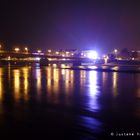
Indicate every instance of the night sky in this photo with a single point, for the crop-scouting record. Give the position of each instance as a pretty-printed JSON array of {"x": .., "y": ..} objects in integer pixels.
[{"x": 76, "y": 24}]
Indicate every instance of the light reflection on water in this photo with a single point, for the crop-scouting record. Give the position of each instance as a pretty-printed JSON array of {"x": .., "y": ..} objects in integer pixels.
[
  {"x": 25, "y": 71},
  {"x": 38, "y": 79},
  {"x": 91, "y": 125},
  {"x": 90, "y": 93},
  {"x": 115, "y": 82},
  {"x": 56, "y": 81},
  {"x": 110, "y": 81},
  {"x": 59, "y": 81},
  {"x": 17, "y": 84},
  {"x": 82, "y": 78},
  {"x": 93, "y": 91}
]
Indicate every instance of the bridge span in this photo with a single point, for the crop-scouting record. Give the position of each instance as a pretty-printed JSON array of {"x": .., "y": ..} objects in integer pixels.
[{"x": 43, "y": 59}]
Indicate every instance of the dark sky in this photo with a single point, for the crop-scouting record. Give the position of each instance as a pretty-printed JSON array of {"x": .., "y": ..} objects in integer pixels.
[{"x": 81, "y": 24}]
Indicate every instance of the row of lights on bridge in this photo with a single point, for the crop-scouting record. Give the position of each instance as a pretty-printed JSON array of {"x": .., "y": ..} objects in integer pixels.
[
  {"x": 63, "y": 54},
  {"x": 17, "y": 49}
]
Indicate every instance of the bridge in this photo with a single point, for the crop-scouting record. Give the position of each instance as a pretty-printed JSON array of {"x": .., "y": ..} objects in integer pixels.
[
  {"x": 22, "y": 57},
  {"x": 7, "y": 54}
]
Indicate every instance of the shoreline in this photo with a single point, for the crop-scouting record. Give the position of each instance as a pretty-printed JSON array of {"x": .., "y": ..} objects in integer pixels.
[
  {"x": 109, "y": 67},
  {"x": 105, "y": 70}
]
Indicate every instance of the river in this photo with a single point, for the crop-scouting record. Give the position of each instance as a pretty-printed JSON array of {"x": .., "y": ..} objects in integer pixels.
[{"x": 52, "y": 103}]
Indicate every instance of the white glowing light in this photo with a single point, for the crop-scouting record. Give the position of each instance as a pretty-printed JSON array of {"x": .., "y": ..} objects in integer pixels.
[
  {"x": 92, "y": 55},
  {"x": 37, "y": 58},
  {"x": 57, "y": 52},
  {"x": 26, "y": 49},
  {"x": 115, "y": 50},
  {"x": 39, "y": 51},
  {"x": 9, "y": 58},
  {"x": 17, "y": 49},
  {"x": 49, "y": 51}
]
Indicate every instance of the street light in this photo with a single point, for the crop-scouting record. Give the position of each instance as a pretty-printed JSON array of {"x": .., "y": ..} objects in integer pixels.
[
  {"x": 115, "y": 52},
  {"x": 105, "y": 59},
  {"x": 26, "y": 49},
  {"x": 57, "y": 53},
  {"x": 17, "y": 50},
  {"x": 39, "y": 51},
  {"x": 49, "y": 51}
]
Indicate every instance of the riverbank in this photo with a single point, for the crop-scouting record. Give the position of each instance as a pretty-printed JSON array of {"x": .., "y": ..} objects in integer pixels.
[
  {"x": 115, "y": 66},
  {"x": 107, "y": 68}
]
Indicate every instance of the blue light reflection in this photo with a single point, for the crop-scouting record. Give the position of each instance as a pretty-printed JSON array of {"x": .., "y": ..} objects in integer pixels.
[{"x": 90, "y": 123}]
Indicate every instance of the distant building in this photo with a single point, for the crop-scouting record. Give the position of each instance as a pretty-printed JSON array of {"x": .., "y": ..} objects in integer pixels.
[
  {"x": 134, "y": 55},
  {"x": 125, "y": 54}
]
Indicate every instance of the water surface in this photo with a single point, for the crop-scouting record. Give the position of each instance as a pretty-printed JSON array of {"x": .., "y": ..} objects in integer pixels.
[{"x": 67, "y": 104}]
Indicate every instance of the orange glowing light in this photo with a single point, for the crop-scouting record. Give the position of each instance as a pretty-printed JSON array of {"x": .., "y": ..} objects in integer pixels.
[{"x": 17, "y": 49}]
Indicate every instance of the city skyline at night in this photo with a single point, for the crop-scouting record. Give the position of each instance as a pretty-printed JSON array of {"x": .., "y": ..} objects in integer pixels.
[
  {"x": 69, "y": 69},
  {"x": 85, "y": 24}
]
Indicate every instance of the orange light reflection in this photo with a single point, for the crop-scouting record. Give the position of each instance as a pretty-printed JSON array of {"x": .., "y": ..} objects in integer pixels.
[
  {"x": 115, "y": 80},
  {"x": 26, "y": 82},
  {"x": 16, "y": 75}
]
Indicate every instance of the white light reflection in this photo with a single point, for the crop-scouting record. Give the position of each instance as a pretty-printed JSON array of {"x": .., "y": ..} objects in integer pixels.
[
  {"x": 63, "y": 71},
  {"x": 93, "y": 91},
  {"x": 38, "y": 77}
]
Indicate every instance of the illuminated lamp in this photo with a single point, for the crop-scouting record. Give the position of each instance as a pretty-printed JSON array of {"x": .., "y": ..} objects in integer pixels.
[{"x": 92, "y": 55}]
